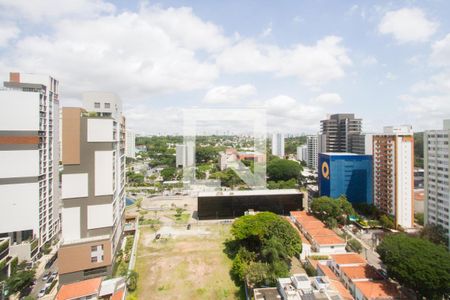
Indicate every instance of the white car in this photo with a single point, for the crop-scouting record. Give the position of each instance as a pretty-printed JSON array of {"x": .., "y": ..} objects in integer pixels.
[{"x": 41, "y": 293}]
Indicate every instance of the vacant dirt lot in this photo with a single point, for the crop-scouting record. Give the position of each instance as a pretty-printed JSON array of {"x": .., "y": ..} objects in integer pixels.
[{"x": 191, "y": 266}]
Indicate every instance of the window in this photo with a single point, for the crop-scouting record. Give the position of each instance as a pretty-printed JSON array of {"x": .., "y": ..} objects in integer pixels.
[
  {"x": 107, "y": 105},
  {"x": 97, "y": 253},
  {"x": 97, "y": 104}
]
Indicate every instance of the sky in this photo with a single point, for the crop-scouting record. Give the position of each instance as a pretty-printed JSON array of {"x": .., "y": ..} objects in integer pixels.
[{"x": 386, "y": 61}]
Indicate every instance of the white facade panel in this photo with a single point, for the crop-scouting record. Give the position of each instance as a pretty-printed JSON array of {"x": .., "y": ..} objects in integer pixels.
[
  {"x": 71, "y": 223},
  {"x": 100, "y": 216},
  {"x": 74, "y": 185},
  {"x": 100, "y": 130},
  {"x": 20, "y": 111},
  {"x": 103, "y": 173},
  {"x": 405, "y": 183},
  {"x": 19, "y": 207},
  {"x": 19, "y": 163}
]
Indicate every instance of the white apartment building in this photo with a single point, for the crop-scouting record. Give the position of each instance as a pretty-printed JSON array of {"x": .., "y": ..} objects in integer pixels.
[
  {"x": 29, "y": 159},
  {"x": 393, "y": 166},
  {"x": 437, "y": 173},
  {"x": 302, "y": 153},
  {"x": 185, "y": 156},
  {"x": 93, "y": 187},
  {"x": 312, "y": 142},
  {"x": 130, "y": 144},
  {"x": 278, "y": 144}
]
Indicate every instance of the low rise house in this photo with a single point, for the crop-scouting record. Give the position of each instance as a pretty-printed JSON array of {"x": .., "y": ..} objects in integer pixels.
[
  {"x": 95, "y": 288},
  {"x": 322, "y": 239}
]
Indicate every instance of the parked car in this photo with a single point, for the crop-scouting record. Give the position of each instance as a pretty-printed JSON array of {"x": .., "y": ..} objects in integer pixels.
[
  {"x": 55, "y": 273},
  {"x": 157, "y": 236},
  {"x": 41, "y": 293},
  {"x": 46, "y": 276},
  {"x": 188, "y": 227}
]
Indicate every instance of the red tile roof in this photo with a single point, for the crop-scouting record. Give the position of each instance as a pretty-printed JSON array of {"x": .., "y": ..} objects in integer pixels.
[
  {"x": 378, "y": 290},
  {"x": 317, "y": 231},
  {"x": 79, "y": 289},
  {"x": 361, "y": 272},
  {"x": 348, "y": 259}
]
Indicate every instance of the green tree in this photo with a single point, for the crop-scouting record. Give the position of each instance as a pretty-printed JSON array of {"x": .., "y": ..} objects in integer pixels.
[
  {"x": 168, "y": 173},
  {"x": 283, "y": 169},
  {"x": 265, "y": 239},
  {"x": 417, "y": 264},
  {"x": 325, "y": 208},
  {"x": 132, "y": 278},
  {"x": 355, "y": 245},
  {"x": 19, "y": 280},
  {"x": 435, "y": 234},
  {"x": 419, "y": 217},
  {"x": 387, "y": 222}
]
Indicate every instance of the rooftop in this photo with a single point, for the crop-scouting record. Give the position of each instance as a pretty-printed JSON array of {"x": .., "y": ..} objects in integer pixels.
[
  {"x": 316, "y": 230},
  {"x": 249, "y": 193},
  {"x": 361, "y": 272},
  {"x": 266, "y": 294},
  {"x": 79, "y": 289},
  {"x": 348, "y": 259},
  {"x": 378, "y": 290}
]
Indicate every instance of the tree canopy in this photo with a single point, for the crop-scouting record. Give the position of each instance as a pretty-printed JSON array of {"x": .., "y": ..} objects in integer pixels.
[
  {"x": 330, "y": 210},
  {"x": 417, "y": 264},
  {"x": 262, "y": 247},
  {"x": 283, "y": 169}
]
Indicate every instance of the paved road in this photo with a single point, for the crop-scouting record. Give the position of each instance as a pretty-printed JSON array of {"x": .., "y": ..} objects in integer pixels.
[
  {"x": 40, "y": 283},
  {"x": 371, "y": 256}
]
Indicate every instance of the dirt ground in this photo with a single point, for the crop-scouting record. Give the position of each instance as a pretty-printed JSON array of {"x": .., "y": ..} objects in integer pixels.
[{"x": 185, "y": 266}]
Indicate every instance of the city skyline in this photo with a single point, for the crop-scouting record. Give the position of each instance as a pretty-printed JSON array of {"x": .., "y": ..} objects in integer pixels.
[{"x": 385, "y": 62}]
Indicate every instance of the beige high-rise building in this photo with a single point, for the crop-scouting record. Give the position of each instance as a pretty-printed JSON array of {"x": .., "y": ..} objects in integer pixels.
[
  {"x": 93, "y": 181},
  {"x": 393, "y": 167}
]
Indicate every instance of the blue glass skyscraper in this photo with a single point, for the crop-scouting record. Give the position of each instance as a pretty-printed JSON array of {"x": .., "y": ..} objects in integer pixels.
[{"x": 346, "y": 174}]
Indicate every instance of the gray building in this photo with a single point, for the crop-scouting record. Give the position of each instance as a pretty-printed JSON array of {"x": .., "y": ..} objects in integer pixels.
[
  {"x": 437, "y": 173},
  {"x": 361, "y": 143},
  {"x": 337, "y": 131},
  {"x": 312, "y": 144}
]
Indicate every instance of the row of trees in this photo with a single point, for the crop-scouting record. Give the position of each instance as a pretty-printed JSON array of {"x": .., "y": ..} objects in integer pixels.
[{"x": 261, "y": 248}]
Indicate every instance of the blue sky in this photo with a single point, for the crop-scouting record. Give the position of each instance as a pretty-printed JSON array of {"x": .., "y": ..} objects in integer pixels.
[{"x": 388, "y": 62}]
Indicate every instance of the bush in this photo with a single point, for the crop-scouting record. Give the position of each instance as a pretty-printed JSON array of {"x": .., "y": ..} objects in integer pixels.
[
  {"x": 419, "y": 218},
  {"x": 355, "y": 245},
  {"x": 387, "y": 222},
  {"x": 310, "y": 270}
]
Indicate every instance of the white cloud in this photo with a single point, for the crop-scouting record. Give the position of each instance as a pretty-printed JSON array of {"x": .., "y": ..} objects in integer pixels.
[
  {"x": 44, "y": 10},
  {"x": 313, "y": 65},
  {"x": 407, "y": 25},
  {"x": 135, "y": 54},
  {"x": 369, "y": 61},
  {"x": 440, "y": 55},
  {"x": 284, "y": 114},
  {"x": 229, "y": 94},
  {"x": 8, "y": 32},
  {"x": 267, "y": 31},
  {"x": 390, "y": 76},
  {"x": 328, "y": 99}
]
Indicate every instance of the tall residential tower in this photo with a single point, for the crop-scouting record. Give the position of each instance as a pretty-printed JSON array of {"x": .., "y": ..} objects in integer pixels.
[
  {"x": 29, "y": 159},
  {"x": 278, "y": 144},
  {"x": 393, "y": 166},
  {"x": 437, "y": 177},
  {"x": 337, "y": 131},
  {"x": 93, "y": 181}
]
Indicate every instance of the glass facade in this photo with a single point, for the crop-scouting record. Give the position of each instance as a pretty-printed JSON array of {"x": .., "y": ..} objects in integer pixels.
[{"x": 346, "y": 174}]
